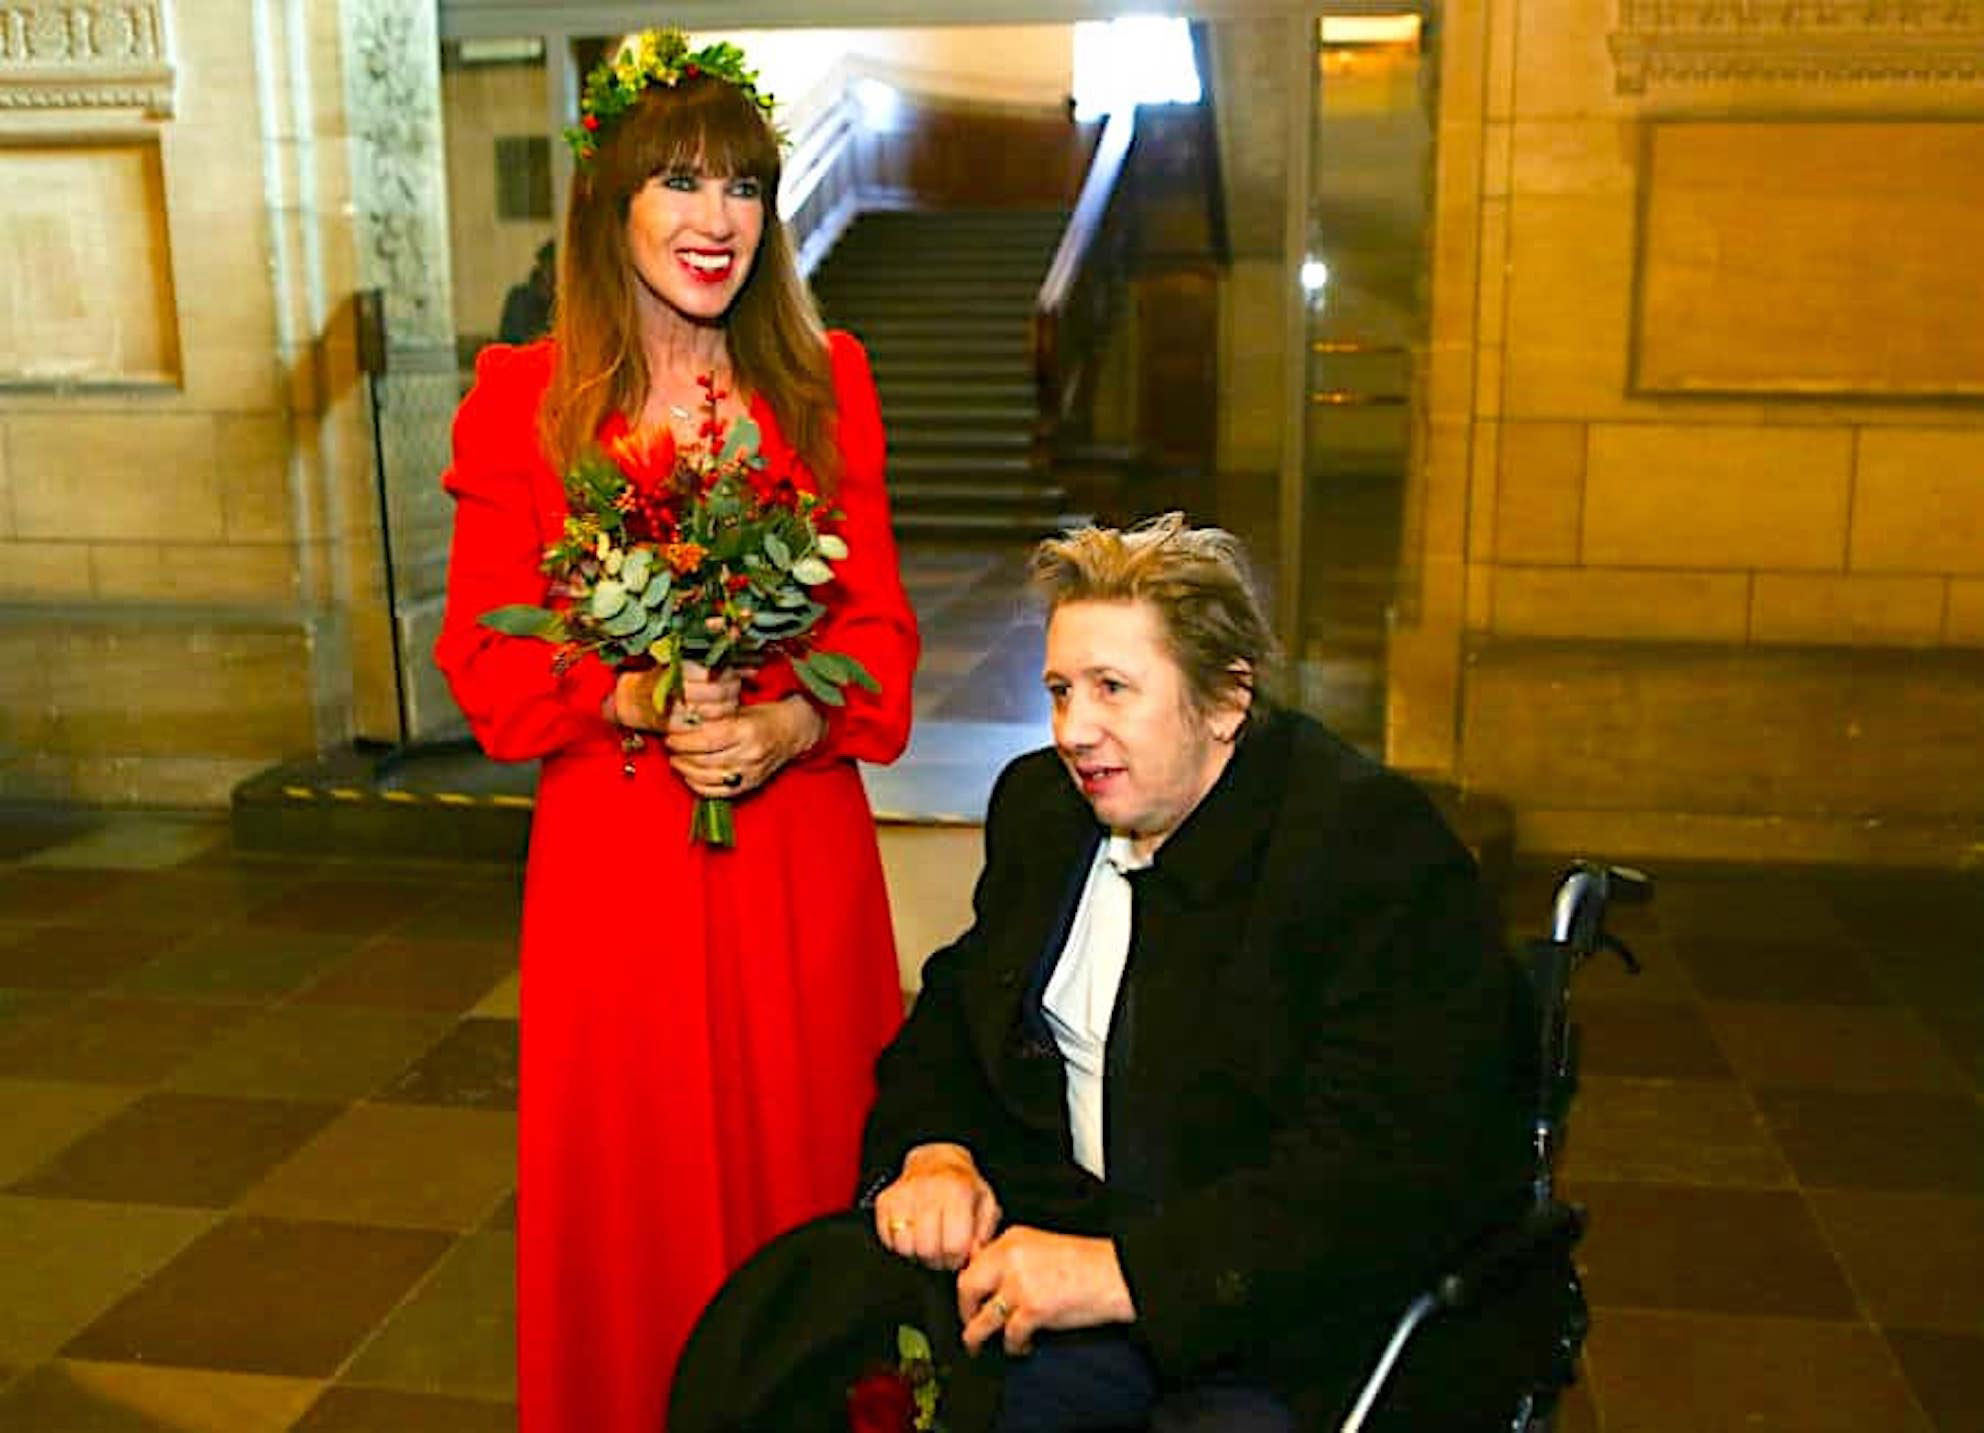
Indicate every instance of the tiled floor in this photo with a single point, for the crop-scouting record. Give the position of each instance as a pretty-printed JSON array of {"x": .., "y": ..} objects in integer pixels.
[{"x": 256, "y": 1122}]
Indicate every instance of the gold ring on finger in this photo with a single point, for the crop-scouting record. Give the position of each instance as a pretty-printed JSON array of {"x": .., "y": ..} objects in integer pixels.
[
  {"x": 896, "y": 1226},
  {"x": 1000, "y": 1308}
]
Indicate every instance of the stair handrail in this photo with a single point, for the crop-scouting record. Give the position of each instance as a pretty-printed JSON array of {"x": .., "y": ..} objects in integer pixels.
[{"x": 1069, "y": 311}]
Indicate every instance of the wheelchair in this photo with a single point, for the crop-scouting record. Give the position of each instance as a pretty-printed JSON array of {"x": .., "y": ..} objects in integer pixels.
[{"x": 1549, "y": 1229}]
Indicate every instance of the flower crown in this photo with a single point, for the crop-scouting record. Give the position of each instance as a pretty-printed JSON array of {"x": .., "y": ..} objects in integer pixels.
[{"x": 655, "y": 57}]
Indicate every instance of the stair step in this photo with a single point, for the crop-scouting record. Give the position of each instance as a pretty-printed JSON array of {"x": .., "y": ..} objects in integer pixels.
[
  {"x": 970, "y": 301},
  {"x": 923, "y": 493},
  {"x": 950, "y": 416},
  {"x": 888, "y": 348},
  {"x": 999, "y": 467},
  {"x": 982, "y": 290},
  {"x": 1024, "y": 527},
  {"x": 945, "y": 321},
  {"x": 954, "y": 374},
  {"x": 917, "y": 438},
  {"x": 914, "y": 391},
  {"x": 940, "y": 268}
]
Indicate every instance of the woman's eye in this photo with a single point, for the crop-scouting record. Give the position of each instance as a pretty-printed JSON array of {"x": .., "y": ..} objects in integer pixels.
[
  {"x": 1057, "y": 692},
  {"x": 681, "y": 182},
  {"x": 1111, "y": 687},
  {"x": 746, "y": 189}
]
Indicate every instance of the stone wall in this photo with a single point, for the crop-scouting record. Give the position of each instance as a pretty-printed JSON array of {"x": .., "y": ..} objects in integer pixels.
[
  {"x": 189, "y": 572},
  {"x": 1702, "y": 588}
]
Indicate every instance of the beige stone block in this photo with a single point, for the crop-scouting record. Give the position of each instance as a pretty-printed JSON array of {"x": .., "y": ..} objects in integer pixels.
[
  {"x": 1668, "y": 495},
  {"x": 1621, "y": 604},
  {"x": 1575, "y": 157},
  {"x": 253, "y": 454},
  {"x": 44, "y": 571},
  {"x": 1498, "y": 145},
  {"x": 1539, "y": 494},
  {"x": 1488, "y": 371},
  {"x": 134, "y": 475},
  {"x": 1963, "y": 623},
  {"x": 1480, "y": 597},
  {"x": 1835, "y": 610},
  {"x": 181, "y": 690},
  {"x": 1484, "y": 485},
  {"x": 151, "y": 572},
  {"x": 86, "y": 264},
  {"x": 1251, "y": 363},
  {"x": 1769, "y": 732},
  {"x": 1423, "y": 672},
  {"x": 1440, "y": 499},
  {"x": 1449, "y": 383},
  {"x": 27, "y": 724},
  {"x": 1918, "y": 501},
  {"x": 1494, "y": 272},
  {"x": 1563, "y": 66},
  {"x": 185, "y": 782},
  {"x": 1570, "y": 276},
  {"x": 1499, "y": 83},
  {"x": 1463, "y": 60}
]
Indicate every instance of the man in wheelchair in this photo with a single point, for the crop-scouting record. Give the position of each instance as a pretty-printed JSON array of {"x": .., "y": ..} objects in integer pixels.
[{"x": 1226, "y": 1069}]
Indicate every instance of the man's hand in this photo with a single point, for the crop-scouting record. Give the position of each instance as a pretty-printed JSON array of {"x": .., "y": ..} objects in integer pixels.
[
  {"x": 1028, "y": 1279},
  {"x": 940, "y": 1210}
]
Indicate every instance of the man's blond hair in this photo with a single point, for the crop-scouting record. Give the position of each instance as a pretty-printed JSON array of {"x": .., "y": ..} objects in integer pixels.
[{"x": 1194, "y": 578}]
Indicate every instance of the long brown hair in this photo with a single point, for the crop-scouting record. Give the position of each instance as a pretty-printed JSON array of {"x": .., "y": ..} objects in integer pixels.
[{"x": 776, "y": 343}]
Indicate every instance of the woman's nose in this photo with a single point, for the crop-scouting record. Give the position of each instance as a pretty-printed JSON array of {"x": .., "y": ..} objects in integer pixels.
[{"x": 713, "y": 208}]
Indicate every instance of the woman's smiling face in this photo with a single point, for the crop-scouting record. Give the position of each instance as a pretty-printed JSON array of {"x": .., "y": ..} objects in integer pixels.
[
  {"x": 692, "y": 238},
  {"x": 1124, "y": 722}
]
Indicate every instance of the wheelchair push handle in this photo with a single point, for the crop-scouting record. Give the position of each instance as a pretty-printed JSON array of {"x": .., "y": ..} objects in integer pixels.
[{"x": 1588, "y": 888}]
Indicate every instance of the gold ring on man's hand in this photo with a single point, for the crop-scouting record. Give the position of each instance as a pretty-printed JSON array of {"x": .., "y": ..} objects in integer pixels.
[
  {"x": 691, "y": 717},
  {"x": 733, "y": 779},
  {"x": 896, "y": 1226},
  {"x": 1000, "y": 1308}
]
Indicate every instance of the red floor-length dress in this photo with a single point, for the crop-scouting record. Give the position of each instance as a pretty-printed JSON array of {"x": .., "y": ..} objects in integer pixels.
[{"x": 699, "y": 1027}]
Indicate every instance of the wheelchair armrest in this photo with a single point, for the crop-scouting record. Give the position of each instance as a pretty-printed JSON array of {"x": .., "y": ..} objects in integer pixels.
[{"x": 1545, "y": 1232}]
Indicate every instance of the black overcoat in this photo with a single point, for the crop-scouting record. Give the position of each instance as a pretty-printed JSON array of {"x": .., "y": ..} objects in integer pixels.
[{"x": 1317, "y": 1085}]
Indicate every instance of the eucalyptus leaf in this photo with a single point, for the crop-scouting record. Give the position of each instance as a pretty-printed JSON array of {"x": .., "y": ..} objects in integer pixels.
[
  {"x": 912, "y": 1345},
  {"x": 743, "y": 436},
  {"x": 791, "y": 597},
  {"x": 656, "y": 592},
  {"x": 777, "y": 551},
  {"x": 631, "y": 618},
  {"x": 524, "y": 621},
  {"x": 833, "y": 546},
  {"x": 822, "y": 689},
  {"x": 812, "y": 571},
  {"x": 607, "y": 598}
]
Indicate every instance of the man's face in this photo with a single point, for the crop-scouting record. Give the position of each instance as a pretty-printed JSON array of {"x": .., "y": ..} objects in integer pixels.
[{"x": 1124, "y": 723}]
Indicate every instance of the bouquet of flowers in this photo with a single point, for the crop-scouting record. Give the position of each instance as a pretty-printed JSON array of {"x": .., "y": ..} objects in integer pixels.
[
  {"x": 689, "y": 553},
  {"x": 902, "y": 1399}
]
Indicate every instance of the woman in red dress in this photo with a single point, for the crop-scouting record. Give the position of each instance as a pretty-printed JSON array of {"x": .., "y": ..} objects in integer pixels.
[{"x": 699, "y": 1026}]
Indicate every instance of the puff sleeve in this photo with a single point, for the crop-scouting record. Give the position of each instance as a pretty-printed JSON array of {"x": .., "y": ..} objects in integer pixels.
[{"x": 506, "y": 501}]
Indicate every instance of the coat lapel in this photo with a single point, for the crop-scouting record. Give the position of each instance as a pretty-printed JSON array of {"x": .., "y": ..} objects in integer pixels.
[{"x": 1014, "y": 1044}]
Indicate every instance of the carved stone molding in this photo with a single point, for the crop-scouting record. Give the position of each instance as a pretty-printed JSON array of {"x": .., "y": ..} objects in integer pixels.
[
  {"x": 399, "y": 180},
  {"x": 87, "y": 55},
  {"x": 1669, "y": 42}
]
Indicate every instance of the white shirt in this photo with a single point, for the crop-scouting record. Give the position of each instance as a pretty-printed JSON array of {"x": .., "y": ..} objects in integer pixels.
[{"x": 1081, "y": 994}]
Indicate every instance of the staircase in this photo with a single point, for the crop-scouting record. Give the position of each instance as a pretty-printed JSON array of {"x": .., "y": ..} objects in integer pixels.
[{"x": 942, "y": 301}]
